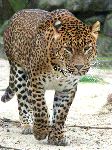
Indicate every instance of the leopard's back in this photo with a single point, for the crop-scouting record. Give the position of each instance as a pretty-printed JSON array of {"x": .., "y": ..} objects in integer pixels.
[{"x": 19, "y": 37}]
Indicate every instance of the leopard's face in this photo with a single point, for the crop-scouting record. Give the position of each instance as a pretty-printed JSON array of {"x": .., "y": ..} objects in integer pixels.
[
  {"x": 74, "y": 46},
  {"x": 78, "y": 56}
]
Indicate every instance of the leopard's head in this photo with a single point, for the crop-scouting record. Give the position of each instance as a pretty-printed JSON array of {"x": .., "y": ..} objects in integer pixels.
[{"x": 73, "y": 44}]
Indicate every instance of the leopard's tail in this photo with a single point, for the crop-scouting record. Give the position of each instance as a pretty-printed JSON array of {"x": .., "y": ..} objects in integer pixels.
[{"x": 8, "y": 95}]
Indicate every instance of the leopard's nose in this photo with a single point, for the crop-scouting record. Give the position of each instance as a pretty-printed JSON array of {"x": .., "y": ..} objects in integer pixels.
[{"x": 78, "y": 67}]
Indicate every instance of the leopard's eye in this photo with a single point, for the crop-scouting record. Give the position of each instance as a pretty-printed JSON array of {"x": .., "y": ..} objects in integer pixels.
[
  {"x": 87, "y": 49},
  {"x": 69, "y": 50}
]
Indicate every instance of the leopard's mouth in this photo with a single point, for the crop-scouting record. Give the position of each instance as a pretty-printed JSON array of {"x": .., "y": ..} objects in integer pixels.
[{"x": 78, "y": 71}]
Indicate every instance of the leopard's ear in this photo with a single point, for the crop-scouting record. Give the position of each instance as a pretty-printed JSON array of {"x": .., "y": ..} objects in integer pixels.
[
  {"x": 95, "y": 29},
  {"x": 57, "y": 24}
]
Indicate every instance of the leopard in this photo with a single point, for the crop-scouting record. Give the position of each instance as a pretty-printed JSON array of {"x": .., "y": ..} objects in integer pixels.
[{"x": 47, "y": 50}]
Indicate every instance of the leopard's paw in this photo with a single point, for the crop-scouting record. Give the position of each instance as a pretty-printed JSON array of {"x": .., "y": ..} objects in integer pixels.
[
  {"x": 58, "y": 142},
  {"x": 57, "y": 138},
  {"x": 40, "y": 133}
]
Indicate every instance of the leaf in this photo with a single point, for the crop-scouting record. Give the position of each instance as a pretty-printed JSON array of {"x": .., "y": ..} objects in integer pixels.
[{"x": 18, "y": 4}]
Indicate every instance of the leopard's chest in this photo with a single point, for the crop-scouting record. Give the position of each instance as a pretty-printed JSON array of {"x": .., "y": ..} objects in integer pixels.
[{"x": 53, "y": 82}]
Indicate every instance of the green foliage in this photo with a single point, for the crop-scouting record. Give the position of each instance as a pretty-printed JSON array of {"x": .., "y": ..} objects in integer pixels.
[
  {"x": 91, "y": 79},
  {"x": 104, "y": 45},
  {"x": 2, "y": 27},
  {"x": 18, "y": 4},
  {"x": 1, "y": 40}
]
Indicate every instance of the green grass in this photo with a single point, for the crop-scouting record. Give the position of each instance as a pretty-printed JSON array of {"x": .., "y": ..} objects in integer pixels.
[{"x": 91, "y": 79}]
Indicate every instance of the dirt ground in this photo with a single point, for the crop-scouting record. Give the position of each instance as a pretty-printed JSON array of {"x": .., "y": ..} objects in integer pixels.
[{"x": 92, "y": 121}]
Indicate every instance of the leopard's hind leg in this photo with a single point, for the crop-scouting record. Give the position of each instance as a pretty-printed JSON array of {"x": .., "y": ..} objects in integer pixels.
[{"x": 18, "y": 86}]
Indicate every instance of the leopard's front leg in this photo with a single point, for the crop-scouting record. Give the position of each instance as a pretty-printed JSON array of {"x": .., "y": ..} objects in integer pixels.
[
  {"x": 40, "y": 111},
  {"x": 62, "y": 103}
]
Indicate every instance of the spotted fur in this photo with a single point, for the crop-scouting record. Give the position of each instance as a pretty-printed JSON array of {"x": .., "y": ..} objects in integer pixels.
[{"x": 52, "y": 49}]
